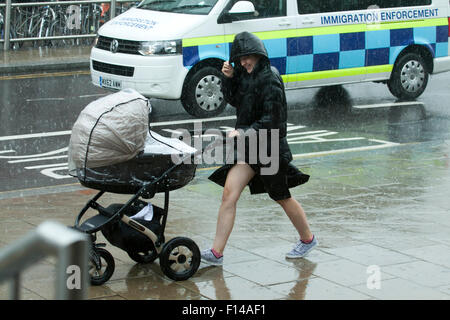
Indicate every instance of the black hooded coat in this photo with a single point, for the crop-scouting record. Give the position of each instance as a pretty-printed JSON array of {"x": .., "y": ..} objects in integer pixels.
[{"x": 260, "y": 102}]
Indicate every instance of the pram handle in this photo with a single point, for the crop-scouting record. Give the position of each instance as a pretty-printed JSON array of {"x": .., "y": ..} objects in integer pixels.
[{"x": 146, "y": 185}]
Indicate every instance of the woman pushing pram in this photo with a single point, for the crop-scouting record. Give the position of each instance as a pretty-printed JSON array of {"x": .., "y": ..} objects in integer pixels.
[{"x": 256, "y": 90}]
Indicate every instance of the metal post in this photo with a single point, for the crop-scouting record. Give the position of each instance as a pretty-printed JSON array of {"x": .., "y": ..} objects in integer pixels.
[
  {"x": 72, "y": 272},
  {"x": 72, "y": 267},
  {"x": 112, "y": 9},
  {"x": 50, "y": 238},
  {"x": 14, "y": 293},
  {"x": 7, "y": 24}
]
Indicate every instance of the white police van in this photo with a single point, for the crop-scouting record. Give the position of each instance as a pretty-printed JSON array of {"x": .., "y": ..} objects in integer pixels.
[{"x": 174, "y": 49}]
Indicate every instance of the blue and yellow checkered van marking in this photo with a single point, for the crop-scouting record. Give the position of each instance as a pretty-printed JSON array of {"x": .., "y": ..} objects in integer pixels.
[{"x": 332, "y": 51}]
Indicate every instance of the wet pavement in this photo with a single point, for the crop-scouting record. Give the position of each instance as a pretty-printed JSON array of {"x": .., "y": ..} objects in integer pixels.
[
  {"x": 381, "y": 216},
  {"x": 392, "y": 217},
  {"x": 43, "y": 59}
]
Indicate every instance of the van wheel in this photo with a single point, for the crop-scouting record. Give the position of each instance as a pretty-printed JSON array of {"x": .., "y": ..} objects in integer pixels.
[
  {"x": 409, "y": 77},
  {"x": 202, "y": 95}
]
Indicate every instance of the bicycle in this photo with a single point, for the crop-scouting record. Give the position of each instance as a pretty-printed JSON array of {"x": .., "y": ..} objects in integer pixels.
[
  {"x": 83, "y": 19},
  {"x": 33, "y": 22},
  {"x": 13, "y": 45}
]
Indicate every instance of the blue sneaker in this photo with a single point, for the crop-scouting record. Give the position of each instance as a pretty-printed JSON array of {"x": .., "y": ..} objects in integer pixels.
[
  {"x": 301, "y": 249},
  {"x": 209, "y": 258}
]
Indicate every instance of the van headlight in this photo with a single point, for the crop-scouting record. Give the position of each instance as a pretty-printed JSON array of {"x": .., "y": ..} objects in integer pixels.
[{"x": 148, "y": 48}]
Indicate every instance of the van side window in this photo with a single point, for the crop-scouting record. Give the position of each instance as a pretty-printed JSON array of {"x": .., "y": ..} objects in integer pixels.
[
  {"x": 270, "y": 8},
  {"x": 307, "y": 7},
  {"x": 397, "y": 3},
  {"x": 322, "y": 6},
  {"x": 266, "y": 8},
  {"x": 349, "y": 5}
]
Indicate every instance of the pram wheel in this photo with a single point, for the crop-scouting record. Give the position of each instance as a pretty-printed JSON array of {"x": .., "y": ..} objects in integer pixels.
[
  {"x": 101, "y": 266},
  {"x": 180, "y": 258},
  {"x": 143, "y": 257}
]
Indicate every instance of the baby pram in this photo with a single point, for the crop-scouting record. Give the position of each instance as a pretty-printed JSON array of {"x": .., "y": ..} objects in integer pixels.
[{"x": 112, "y": 149}]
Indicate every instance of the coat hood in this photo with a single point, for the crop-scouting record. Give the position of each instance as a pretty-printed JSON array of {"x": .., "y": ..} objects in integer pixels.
[{"x": 246, "y": 43}]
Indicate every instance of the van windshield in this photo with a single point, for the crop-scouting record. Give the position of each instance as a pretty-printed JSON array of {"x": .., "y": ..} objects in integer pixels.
[{"x": 179, "y": 6}]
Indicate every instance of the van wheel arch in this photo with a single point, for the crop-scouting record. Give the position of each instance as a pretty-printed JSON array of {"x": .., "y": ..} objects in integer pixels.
[
  {"x": 194, "y": 102},
  {"x": 415, "y": 64},
  {"x": 420, "y": 50}
]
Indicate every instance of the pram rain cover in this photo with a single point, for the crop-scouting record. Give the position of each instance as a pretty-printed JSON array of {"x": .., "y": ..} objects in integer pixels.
[{"x": 109, "y": 130}]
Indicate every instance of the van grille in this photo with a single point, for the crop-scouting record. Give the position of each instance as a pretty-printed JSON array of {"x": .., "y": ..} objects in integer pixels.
[
  {"x": 113, "y": 69},
  {"x": 125, "y": 46}
]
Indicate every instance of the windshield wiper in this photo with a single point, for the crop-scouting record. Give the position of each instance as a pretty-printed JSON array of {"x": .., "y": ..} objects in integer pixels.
[
  {"x": 192, "y": 6},
  {"x": 146, "y": 5}
]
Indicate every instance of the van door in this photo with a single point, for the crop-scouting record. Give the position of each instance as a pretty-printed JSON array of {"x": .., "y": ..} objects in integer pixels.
[
  {"x": 330, "y": 44},
  {"x": 271, "y": 22}
]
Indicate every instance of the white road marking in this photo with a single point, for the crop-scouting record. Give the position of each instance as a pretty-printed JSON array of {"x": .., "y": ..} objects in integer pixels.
[
  {"x": 164, "y": 123},
  {"x": 37, "y": 159},
  {"x": 36, "y": 135},
  {"x": 93, "y": 95},
  {"x": 291, "y": 127},
  {"x": 386, "y": 144},
  {"x": 388, "y": 105},
  {"x": 305, "y": 132},
  {"x": 7, "y": 151},
  {"x": 50, "y": 153},
  {"x": 50, "y": 172},
  {"x": 325, "y": 140},
  {"x": 43, "y": 166},
  {"x": 45, "y": 99},
  {"x": 314, "y": 136}
]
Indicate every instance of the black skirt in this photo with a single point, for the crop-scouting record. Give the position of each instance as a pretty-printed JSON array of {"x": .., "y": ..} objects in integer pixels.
[{"x": 277, "y": 185}]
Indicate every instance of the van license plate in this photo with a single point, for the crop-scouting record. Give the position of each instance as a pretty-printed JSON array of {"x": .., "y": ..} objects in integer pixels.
[{"x": 110, "y": 83}]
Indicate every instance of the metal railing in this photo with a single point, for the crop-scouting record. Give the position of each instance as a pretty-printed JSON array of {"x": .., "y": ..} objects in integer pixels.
[
  {"x": 50, "y": 238},
  {"x": 55, "y": 23}
]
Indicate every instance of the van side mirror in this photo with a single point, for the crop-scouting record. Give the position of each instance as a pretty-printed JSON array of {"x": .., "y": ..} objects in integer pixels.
[
  {"x": 241, "y": 10},
  {"x": 242, "y": 7}
]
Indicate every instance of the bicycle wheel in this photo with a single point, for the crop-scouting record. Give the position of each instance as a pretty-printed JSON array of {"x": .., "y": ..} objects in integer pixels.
[
  {"x": 58, "y": 28},
  {"x": 44, "y": 32}
]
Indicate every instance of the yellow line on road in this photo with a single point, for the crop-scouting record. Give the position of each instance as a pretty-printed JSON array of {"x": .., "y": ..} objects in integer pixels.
[{"x": 44, "y": 75}]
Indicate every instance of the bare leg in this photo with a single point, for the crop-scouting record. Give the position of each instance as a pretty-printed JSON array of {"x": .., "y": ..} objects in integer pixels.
[
  {"x": 297, "y": 216},
  {"x": 238, "y": 177}
]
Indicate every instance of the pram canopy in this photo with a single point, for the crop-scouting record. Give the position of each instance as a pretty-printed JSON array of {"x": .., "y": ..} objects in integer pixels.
[
  {"x": 109, "y": 130},
  {"x": 113, "y": 149}
]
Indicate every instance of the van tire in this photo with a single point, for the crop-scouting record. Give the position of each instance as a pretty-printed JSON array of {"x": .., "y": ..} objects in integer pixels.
[
  {"x": 202, "y": 95},
  {"x": 409, "y": 77}
]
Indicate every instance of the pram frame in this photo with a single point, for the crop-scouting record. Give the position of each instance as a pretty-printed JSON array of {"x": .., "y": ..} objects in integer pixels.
[
  {"x": 157, "y": 239},
  {"x": 144, "y": 191},
  {"x": 105, "y": 217},
  {"x": 162, "y": 248}
]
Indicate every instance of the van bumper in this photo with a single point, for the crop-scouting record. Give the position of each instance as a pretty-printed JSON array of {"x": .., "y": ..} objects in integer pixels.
[
  {"x": 154, "y": 76},
  {"x": 441, "y": 64}
]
